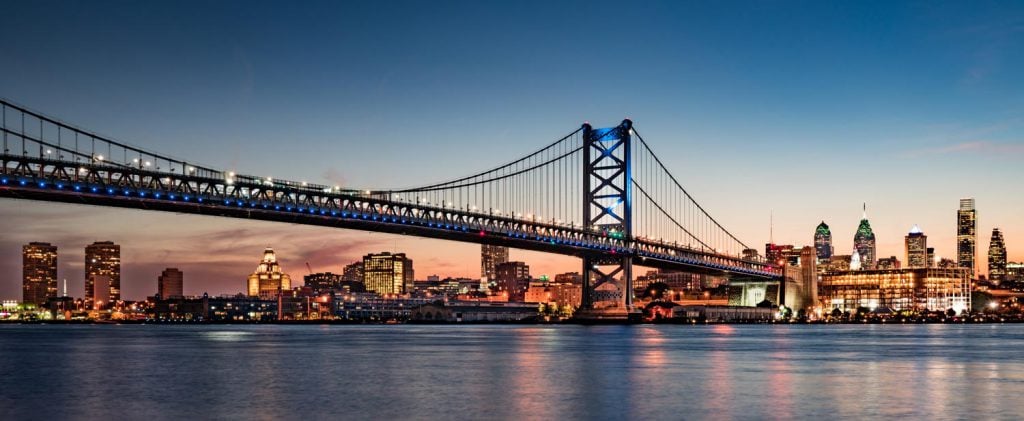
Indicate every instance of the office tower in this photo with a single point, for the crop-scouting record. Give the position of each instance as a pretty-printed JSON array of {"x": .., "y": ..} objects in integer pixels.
[
  {"x": 996, "y": 257},
  {"x": 352, "y": 272},
  {"x": 39, "y": 272},
  {"x": 823, "y": 243},
  {"x": 864, "y": 242},
  {"x": 966, "y": 234},
  {"x": 917, "y": 248},
  {"x": 809, "y": 258},
  {"x": 490, "y": 258},
  {"x": 102, "y": 259},
  {"x": 387, "y": 273},
  {"x": 513, "y": 278},
  {"x": 931, "y": 257},
  {"x": 268, "y": 278},
  {"x": 171, "y": 283}
]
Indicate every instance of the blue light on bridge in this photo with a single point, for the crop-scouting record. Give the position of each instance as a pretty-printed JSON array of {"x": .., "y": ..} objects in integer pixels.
[
  {"x": 42, "y": 185},
  {"x": 186, "y": 198},
  {"x": 4, "y": 181}
]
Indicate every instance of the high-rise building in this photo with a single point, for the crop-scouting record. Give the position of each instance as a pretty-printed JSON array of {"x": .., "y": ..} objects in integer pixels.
[
  {"x": 917, "y": 248},
  {"x": 966, "y": 234},
  {"x": 823, "y": 243},
  {"x": 269, "y": 278},
  {"x": 773, "y": 253},
  {"x": 387, "y": 273},
  {"x": 102, "y": 258},
  {"x": 171, "y": 283},
  {"x": 39, "y": 272},
  {"x": 490, "y": 258},
  {"x": 887, "y": 263},
  {"x": 864, "y": 242},
  {"x": 100, "y": 291},
  {"x": 513, "y": 278},
  {"x": 352, "y": 272},
  {"x": 324, "y": 282},
  {"x": 996, "y": 257},
  {"x": 931, "y": 257}
]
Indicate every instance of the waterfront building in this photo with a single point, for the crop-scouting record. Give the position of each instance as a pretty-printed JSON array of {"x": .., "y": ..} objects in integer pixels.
[
  {"x": 171, "y": 283},
  {"x": 215, "y": 309},
  {"x": 101, "y": 298},
  {"x": 38, "y": 273},
  {"x": 474, "y": 311},
  {"x": 386, "y": 273},
  {"x": 102, "y": 259},
  {"x": 966, "y": 234},
  {"x": 269, "y": 278},
  {"x": 1015, "y": 271},
  {"x": 864, "y": 242},
  {"x": 490, "y": 258},
  {"x": 996, "y": 257},
  {"x": 917, "y": 248},
  {"x": 912, "y": 289},
  {"x": 560, "y": 294},
  {"x": 513, "y": 279},
  {"x": 569, "y": 278},
  {"x": 823, "y": 243}
]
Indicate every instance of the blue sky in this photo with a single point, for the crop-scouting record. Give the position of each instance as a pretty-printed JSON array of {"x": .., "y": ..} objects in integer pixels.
[{"x": 804, "y": 109}]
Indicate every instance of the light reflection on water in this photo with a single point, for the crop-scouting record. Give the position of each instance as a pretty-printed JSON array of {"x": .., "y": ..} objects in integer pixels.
[{"x": 512, "y": 372}]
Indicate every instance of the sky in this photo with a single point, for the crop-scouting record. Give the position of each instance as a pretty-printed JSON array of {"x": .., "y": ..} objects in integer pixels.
[{"x": 791, "y": 112}]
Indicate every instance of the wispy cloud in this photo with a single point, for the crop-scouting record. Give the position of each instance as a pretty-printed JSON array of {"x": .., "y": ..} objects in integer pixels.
[{"x": 975, "y": 146}]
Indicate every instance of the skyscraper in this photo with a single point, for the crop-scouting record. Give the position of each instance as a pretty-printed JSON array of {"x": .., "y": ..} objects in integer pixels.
[
  {"x": 996, "y": 257},
  {"x": 387, "y": 273},
  {"x": 268, "y": 278},
  {"x": 917, "y": 248},
  {"x": 966, "y": 234},
  {"x": 171, "y": 283},
  {"x": 352, "y": 272},
  {"x": 490, "y": 258},
  {"x": 39, "y": 272},
  {"x": 864, "y": 242},
  {"x": 102, "y": 258},
  {"x": 823, "y": 243}
]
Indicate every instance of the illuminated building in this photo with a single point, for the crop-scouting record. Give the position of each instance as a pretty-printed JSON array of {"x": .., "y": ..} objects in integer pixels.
[
  {"x": 102, "y": 258},
  {"x": 855, "y": 261},
  {"x": 838, "y": 262},
  {"x": 864, "y": 242},
  {"x": 917, "y": 248},
  {"x": 996, "y": 257},
  {"x": 268, "y": 278},
  {"x": 944, "y": 263},
  {"x": 353, "y": 272},
  {"x": 897, "y": 289},
  {"x": 490, "y": 258},
  {"x": 775, "y": 252},
  {"x": 322, "y": 282},
  {"x": 387, "y": 273},
  {"x": 823, "y": 243},
  {"x": 931, "y": 257},
  {"x": 39, "y": 273},
  {"x": 1015, "y": 272},
  {"x": 513, "y": 279},
  {"x": 808, "y": 294},
  {"x": 966, "y": 234},
  {"x": 888, "y": 263},
  {"x": 569, "y": 278},
  {"x": 751, "y": 254},
  {"x": 171, "y": 283},
  {"x": 562, "y": 294}
]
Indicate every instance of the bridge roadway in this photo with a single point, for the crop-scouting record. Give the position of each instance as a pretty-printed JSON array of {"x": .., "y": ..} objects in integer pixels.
[{"x": 238, "y": 196}]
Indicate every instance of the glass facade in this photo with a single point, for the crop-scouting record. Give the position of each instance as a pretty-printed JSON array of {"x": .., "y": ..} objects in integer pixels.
[
  {"x": 171, "y": 283},
  {"x": 490, "y": 258},
  {"x": 966, "y": 234},
  {"x": 823, "y": 243},
  {"x": 917, "y": 248},
  {"x": 864, "y": 243},
  {"x": 997, "y": 257}
]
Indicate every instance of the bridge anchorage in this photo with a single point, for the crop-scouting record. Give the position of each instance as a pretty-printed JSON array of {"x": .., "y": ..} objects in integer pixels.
[{"x": 634, "y": 212}]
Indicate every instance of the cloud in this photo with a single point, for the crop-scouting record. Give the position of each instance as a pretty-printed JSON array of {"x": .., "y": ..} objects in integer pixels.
[{"x": 983, "y": 147}]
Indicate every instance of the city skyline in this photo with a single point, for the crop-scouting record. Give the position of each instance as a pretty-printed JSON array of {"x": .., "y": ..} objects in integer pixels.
[{"x": 821, "y": 107}]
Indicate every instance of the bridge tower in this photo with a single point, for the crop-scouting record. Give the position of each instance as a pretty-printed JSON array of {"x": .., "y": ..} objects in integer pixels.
[{"x": 607, "y": 209}]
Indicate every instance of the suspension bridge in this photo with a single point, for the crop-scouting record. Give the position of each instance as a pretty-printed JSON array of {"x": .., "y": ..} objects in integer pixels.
[{"x": 600, "y": 194}]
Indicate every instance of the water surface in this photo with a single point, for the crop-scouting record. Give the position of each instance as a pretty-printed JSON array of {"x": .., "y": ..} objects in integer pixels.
[{"x": 511, "y": 372}]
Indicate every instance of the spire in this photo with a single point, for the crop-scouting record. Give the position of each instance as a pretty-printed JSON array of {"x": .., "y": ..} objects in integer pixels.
[
  {"x": 865, "y": 214},
  {"x": 915, "y": 229}
]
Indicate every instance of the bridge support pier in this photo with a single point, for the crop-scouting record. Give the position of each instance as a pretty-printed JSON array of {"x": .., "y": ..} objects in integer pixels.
[{"x": 607, "y": 212}]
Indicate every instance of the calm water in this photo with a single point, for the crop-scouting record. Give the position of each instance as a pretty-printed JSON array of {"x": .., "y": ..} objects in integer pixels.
[{"x": 511, "y": 372}]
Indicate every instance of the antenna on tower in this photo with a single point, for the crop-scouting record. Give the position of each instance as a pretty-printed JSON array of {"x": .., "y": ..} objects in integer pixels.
[
  {"x": 865, "y": 210},
  {"x": 771, "y": 226}
]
